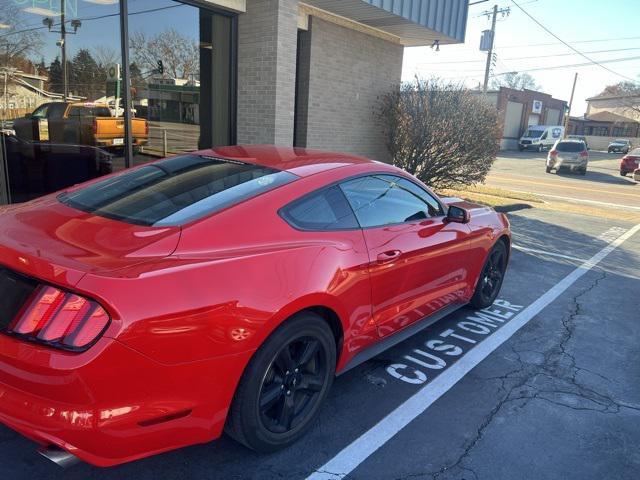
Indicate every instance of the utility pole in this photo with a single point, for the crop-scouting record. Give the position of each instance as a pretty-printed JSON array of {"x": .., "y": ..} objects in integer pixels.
[
  {"x": 63, "y": 46},
  {"x": 494, "y": 15},
  {"x": 566, "y": 118},
  {"x": 490, "y": 52}
]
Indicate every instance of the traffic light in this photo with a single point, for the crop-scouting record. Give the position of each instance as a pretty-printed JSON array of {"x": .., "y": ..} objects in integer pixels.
[{"x": 160, "y": 67}]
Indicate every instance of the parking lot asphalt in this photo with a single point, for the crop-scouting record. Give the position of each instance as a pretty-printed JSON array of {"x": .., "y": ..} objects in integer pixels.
[
  {"x": 544, "y": 385},
  {"x": 601, "y": 186}
]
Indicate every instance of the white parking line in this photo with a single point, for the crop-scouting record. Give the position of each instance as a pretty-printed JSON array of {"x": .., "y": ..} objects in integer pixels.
[
  {"x": 544, "y": 252},
  {"x": 368, "y": 443}
]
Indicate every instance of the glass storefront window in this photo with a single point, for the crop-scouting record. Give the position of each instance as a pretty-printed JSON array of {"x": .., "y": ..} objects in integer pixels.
[
  {"x": 58, "y": 121},
  {"x": 62, "y": 114},
  {"x": 180, "y": 58}
]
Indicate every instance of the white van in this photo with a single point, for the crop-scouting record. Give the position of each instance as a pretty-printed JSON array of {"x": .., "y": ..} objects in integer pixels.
[{"x": 539, "y": 137}]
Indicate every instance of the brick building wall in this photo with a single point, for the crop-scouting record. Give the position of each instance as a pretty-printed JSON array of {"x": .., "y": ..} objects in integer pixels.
[
  {"x": 348, "y": 71},
  {"x": 267, "y": 37}
]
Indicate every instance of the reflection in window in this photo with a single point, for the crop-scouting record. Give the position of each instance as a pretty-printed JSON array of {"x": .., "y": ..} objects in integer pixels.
[
  {"x": 385, "y": 200},
  {"x": 181, "y": 76},
  {"x": 176, "y": 190},
  {"x": 55, "y": 58}
]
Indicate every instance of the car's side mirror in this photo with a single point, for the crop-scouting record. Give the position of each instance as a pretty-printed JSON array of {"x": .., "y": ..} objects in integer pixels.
[{"x": 457, "y": 214}]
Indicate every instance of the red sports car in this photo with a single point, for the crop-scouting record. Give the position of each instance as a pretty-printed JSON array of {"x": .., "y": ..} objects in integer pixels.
[{"x": 221, "y": 291}]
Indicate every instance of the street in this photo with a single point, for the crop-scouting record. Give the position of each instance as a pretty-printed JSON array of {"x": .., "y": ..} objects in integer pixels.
[
  {"x": 601, "y": 186},
  {"x": 543, "y": 385}
]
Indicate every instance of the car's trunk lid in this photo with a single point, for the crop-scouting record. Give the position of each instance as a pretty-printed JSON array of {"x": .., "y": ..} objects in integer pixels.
[{"x": 57, "y": 243}]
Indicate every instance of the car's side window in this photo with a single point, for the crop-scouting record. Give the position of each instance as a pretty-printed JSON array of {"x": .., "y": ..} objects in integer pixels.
[
  {"x": 326, "y": 209},
  {"x": 379, "y": 200}
]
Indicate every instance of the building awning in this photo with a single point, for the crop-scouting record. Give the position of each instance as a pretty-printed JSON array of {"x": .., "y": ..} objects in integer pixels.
[{"x": 414, "y": 22}]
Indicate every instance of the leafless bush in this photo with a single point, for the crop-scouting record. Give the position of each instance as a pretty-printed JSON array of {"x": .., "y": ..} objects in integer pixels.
[{"x": 440, "y": 132}]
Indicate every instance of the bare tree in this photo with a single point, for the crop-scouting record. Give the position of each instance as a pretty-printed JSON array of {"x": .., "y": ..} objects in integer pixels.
[
  {"x": 179, "y": 53},
  {"x": 515, "y": 80},
  {"x": 628, "y": 95},
  {"x": 440, "y": 132},
  {"x": 105, "y": 55},
  {"x": 17, "y": 42}
]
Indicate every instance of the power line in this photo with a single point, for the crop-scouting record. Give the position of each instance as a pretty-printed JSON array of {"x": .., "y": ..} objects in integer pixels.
[
  {"x": 570, "y": 46},
  {"x": 535, "y": 56},
  {"x": 553, "y": 67},
  {"x": 97, "y": 17},
  {"x": 560, "y": 43}
]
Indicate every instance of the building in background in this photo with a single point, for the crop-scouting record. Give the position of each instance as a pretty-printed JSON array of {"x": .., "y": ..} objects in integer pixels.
[
  {"x": 602, "y": 127},
  {"x": 22, "y": 93},
  {"x": 623, "y": 105},
  {"x": 519, "y": 109},
  {"x": 219, "y": 72}
]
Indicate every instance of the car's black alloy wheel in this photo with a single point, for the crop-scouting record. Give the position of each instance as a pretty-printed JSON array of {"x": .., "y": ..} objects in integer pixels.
[
  {"x": 284, "y": 385},
  {"x": 292, "y": 385},
  {"x": 490, "y": 281}
]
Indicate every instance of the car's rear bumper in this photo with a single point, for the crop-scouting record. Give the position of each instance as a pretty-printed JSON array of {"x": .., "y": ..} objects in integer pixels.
[
  {"x": 563, "y": 163},
  {"x": 114, "y": 405}
]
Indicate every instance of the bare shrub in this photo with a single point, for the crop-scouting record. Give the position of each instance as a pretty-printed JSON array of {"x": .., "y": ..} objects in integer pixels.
[{"x": 440, "y": 132}]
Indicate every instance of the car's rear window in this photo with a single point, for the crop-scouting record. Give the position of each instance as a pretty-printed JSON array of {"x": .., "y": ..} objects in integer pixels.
[
  {"x": 89, "y": 112},
  {"x": 175, "y": 191},
  {"x": 571, "y": 147}
]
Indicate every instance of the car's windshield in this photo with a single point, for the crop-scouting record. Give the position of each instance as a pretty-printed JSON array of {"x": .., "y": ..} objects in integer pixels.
[
  {"x": 618, "y": 140},
  {"x": 176, "y": 190},
  {"x": 570, "y": 147},
  {"x": 533, "y": 133}
]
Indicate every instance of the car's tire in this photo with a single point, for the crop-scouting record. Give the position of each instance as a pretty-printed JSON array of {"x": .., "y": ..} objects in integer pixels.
[
  {"x": 491, "y": 277},
  {"x": 624, "y": 174},
  {"x": 548, "y": 169},
  {"x": 582, "y": 171},
  {"x": 520, "y": 148},
  {"x": 263, "y": 412}
]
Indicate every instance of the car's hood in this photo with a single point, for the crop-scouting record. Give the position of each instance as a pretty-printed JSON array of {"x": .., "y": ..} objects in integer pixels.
[{"x": 57, "y": 243}]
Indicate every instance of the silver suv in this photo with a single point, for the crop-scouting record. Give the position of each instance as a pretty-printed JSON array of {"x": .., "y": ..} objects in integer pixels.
[{"x": 570, "y": 155}]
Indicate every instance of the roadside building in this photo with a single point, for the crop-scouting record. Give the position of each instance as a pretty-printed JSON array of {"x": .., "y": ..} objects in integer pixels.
[
  {"x": 624, "y": 105},
  {"x": 603, "y": 127},
  {"x": 519, "y": 109},
  {"x": 284, "y": 72},
  {"x": 21, "y": 93}
]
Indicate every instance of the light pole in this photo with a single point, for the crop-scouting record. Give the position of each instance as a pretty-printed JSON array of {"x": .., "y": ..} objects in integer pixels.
[{"x": 62, "y": 43}]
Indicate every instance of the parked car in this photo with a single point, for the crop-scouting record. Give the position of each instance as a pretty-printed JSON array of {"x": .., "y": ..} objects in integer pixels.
[
  {"x": 539, "y": 137},
  {"x": 581, "y": 138},
  {"x": 619, "y": 145},
  {"x": 568, "y": 155},
  {"x": 630, "y": 162},
  {"x": 222, "y": 290},
  {"x": 80, "y": 124},
  {"x": 39, "y": 168}
]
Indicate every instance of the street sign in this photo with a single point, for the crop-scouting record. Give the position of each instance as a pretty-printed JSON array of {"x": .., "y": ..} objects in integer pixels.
[
  {"x": 113, "y": 72},
  {"x": 536, "y": 107}
]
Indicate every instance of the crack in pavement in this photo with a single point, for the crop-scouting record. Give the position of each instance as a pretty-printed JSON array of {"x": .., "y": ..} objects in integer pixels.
[{"x": 556, "y": 376}]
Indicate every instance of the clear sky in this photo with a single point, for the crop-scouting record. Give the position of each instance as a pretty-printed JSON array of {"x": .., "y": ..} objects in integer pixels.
[{"x": 585, "y": 24}]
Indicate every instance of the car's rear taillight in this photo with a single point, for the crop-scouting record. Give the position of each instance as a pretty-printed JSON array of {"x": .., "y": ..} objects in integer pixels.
[
  {"x": 584, "y": 154},
  {"x": 60, "y": 319},
  {"x": 553, "y": 153}
]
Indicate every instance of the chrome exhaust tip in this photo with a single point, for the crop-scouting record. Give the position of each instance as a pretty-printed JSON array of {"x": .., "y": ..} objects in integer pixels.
[{"x": 58, "y": 456}]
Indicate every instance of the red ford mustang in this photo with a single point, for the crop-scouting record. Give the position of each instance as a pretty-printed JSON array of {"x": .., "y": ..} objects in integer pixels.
[{"x": 221, "y": 291}]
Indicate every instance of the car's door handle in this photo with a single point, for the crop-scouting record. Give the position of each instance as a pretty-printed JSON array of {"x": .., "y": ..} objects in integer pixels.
[{"x": 388, "y": 256}]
